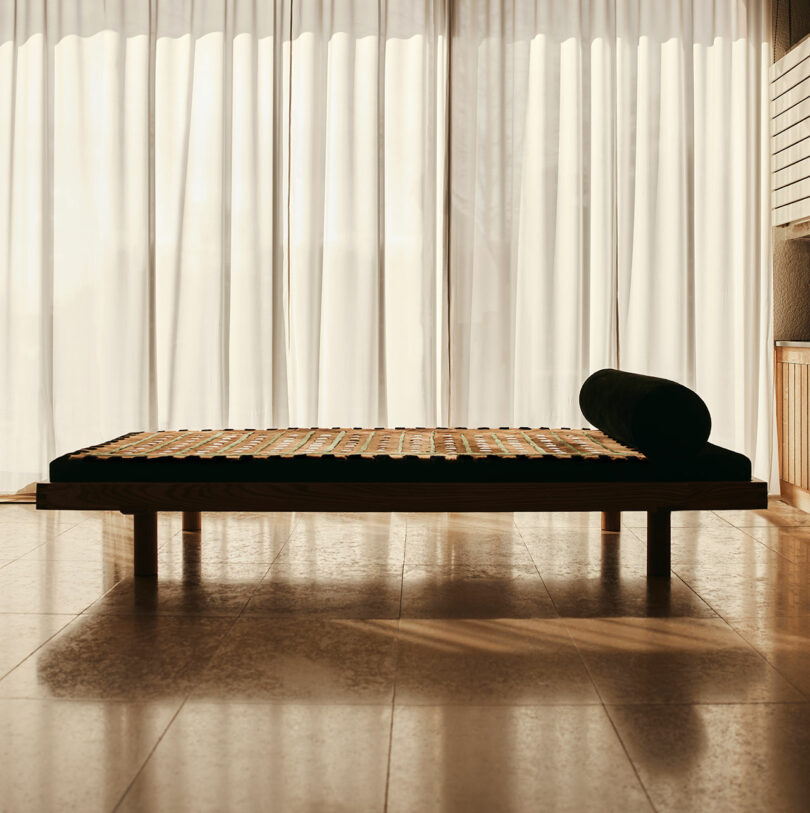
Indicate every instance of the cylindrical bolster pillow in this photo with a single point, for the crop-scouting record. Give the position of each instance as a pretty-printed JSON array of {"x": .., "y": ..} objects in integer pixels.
[{"x": 659, "y": 417}]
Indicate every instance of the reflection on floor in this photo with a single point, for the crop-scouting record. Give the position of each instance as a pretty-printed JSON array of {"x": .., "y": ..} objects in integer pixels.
[{"x": 491, "y": 662}]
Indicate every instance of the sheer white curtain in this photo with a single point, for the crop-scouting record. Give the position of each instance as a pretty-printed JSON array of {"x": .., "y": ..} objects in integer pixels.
[
  {"x": 532, "y": 212},
  {"x": 375, "y": 212},
  {"x": 609, "y": 206}
]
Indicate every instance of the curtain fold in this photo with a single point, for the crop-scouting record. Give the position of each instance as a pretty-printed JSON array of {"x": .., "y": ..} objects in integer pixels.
[
  {"x": 532, "y": 246},
  {"x": 232, "y": 213}
]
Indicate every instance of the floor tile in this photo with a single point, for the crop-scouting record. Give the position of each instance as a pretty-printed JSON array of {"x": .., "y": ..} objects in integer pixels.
[
  {"x": 24, "y": 633},
  {"x": 56, "y": 586},
  {"x": 785, "y": 643},
  {"x": 108, "y": 657},
  {"x": 20, "y": 538},
  {"x": 675, "y": 660},
  {"x": 777, "y": 513},
  {"x": 346, "y": 539},
  {"x": 490, "y": 662},
  {"x": 485, "y": 523},
  {"x": 629, "y": 594},
  {"x": 468, "y": 758},
  {"x": 593, "y": 574},
  {"x": 792, "y": 542},
  {"x": 57, "y": 756},
  {"x": 328, "y": 590},
  {"x": 680, "y": 519},
  {"x": 756, "y": 588},
  {"x": 438, "y": 543},
  {"x": 720, "y": 757},
  {"x": 241, "y": 539},
  {"x": 556, "y": 520},
  {"x": 324, "y": 661},
  {"x": 53, "y": 520},
  {"x": 228, "y": 756},
  {"x": 189, "y": 587},
  {"x": 467, "y": 591},
  {"x": 719, "y": 550},
  {"x": 107, "y": 537}
]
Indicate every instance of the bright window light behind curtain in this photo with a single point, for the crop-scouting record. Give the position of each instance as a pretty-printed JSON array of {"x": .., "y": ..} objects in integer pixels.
[{"x": 376, "y": 212}]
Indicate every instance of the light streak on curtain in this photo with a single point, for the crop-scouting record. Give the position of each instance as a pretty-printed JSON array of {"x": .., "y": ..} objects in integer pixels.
[{"x": 375, "y": 212}]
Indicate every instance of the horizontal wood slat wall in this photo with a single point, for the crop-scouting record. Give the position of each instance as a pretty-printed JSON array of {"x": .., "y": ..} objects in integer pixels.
[
  {"x": 790, "y": 135},
  {"x": 793, "y": 424}
]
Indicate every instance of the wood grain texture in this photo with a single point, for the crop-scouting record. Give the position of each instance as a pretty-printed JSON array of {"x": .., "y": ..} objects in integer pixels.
[
  {"x": 659, "y": 549},
  {"x": 135, "y": 497},
  {"x": 779, "y": 367},
  {"x": 145, "y": 550},
  {"x": 192, "y": 521},
  {"x": 612, "y": 521},
  {"x": 792, "y": 367},
  {"x": 792, "y": 494}
]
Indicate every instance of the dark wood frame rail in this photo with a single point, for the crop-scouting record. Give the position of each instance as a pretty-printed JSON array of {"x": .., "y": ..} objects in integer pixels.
[{"x": 658, "y": 499}]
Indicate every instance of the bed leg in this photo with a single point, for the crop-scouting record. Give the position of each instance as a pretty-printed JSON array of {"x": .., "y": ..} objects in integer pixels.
[
  {"x": 192, "y": 521},
  {"x": 611, "y": 521},
  {"x": 146, "y": 543},
  {"x": 659, "y": 539}
]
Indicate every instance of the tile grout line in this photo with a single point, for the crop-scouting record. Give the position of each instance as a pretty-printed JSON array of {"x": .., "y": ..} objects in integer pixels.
[
  {"x": 610, "y": 719},
  {"x": 151, "y": 752},
  {"x": 182, "y": 705},
  {"x": 537, "y": 569},
  {"x": 629, "y": 758},
  {"x": 396, "y": 673},
  {"x": 190, "y": 691}
]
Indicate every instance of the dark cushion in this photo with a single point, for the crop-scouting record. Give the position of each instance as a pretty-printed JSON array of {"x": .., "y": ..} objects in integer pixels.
[{"x": 659, "y": 417}]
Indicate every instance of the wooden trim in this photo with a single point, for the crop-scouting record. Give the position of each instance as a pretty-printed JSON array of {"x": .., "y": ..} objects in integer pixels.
[
  {"x": 778, "y": 394},
  {"x": 793, "y": 355},
  {"x": 792, "y": 385},
  {"x": 798, "y": 497},
  {"x": 136, "y": 497}
]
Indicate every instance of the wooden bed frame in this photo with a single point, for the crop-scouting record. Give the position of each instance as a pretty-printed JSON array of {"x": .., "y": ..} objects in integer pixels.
[{"x": 658, "y": 499}]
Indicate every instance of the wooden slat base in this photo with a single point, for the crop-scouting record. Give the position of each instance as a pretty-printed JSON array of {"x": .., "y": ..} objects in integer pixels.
[{"x": 657, "y": 499}]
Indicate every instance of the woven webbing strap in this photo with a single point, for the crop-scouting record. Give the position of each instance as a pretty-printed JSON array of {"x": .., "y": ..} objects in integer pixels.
[{"x": 394, "y": 443}]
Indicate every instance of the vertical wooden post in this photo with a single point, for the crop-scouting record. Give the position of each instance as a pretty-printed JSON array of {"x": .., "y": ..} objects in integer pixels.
[
  {"x": 659, "y": 542},
  {"x": 192, "y": 521},
  {"x": 145, "y": 543},
  {"x": 611, "y": 521}
]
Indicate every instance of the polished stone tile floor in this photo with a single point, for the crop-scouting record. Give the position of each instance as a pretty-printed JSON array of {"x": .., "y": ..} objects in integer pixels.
[{"x": 404, "y": 662}]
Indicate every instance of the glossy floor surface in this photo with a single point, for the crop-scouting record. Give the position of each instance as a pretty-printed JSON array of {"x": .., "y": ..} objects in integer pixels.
[{"x": 490, "y": 662}]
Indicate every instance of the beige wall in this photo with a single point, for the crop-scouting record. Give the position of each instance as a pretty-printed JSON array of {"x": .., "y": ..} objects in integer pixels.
[{"x": 791, "y": 258}]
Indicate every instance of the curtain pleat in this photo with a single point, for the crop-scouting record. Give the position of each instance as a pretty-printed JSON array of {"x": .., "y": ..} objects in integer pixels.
[{"x": 376, "y": 212}]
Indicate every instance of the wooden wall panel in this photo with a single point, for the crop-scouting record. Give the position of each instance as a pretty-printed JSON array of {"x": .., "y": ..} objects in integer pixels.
[
  {"x": 790, "y": 136},
  {"x": 793, "y": 422}
]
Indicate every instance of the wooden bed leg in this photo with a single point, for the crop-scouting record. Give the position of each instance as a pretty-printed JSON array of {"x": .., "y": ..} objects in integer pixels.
[
  {"x": 145, "y": 543},
  {"x": 611, "y": 521},
  {"x": 192, "y": 521},
  {"x": 659, "y": 539}
]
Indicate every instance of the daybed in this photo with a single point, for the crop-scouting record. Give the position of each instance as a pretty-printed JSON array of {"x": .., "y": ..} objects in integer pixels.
[{"x": 663, "y": 465}]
